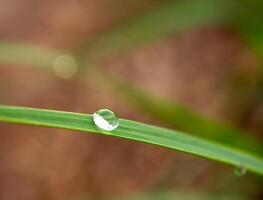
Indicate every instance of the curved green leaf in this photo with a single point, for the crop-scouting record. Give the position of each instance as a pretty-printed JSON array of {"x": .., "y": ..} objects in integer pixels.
[
  {"x": 134, "y": 131},
  {"x": 170, "y": 113},
  {"x": 173, "y": 114}
]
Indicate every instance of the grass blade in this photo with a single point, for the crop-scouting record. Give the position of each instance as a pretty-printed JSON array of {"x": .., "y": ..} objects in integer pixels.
[
  {"x": 173, "y": 114},
  {"x": 167, "y": 112},
  {"x": 134, "y": 131}
]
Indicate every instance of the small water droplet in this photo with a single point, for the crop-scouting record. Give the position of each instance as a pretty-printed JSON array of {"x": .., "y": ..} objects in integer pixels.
[
  {"x": 106, "y": 119},
  {"x": 240, "y": 170}
]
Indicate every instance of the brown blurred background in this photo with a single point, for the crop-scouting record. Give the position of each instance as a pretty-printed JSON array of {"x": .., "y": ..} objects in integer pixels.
[{"x": 209, "y": 69}]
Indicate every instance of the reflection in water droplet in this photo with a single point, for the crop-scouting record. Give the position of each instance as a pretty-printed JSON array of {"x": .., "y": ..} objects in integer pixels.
[
  {"x": 106, "y": 119},
  {"x": 240, "y": 170},
  {"x": 65, "y": 66}
]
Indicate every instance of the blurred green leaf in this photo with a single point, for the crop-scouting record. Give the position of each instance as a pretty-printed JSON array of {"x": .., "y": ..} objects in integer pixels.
[
  {"x": 247, "y": 21},
  {"x": 171, "y": 195},
  {"x": 159, "y": 23},
  {"x": 185, "y": 195},
  {"x": 23, "y": 53}
]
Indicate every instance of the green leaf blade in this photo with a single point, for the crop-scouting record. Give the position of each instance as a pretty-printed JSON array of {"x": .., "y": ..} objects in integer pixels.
[{"x": 134, "y": 131}]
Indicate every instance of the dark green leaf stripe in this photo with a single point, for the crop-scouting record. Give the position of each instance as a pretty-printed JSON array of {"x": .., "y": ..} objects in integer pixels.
[
  {"x": 134, "y": 131},
  {"x": 155, "y": 24}
]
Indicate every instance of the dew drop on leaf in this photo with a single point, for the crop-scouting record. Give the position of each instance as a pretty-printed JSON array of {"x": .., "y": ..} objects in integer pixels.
[
  {"x": 240, "y": 170},
  {"x": 106, "y": 119}
]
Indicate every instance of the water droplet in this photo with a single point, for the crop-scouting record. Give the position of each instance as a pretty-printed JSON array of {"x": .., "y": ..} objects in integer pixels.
[
  {"x": 106, "y": 119},
  {"x": 240, "y": 170},
  {"x": 65, "y": 66}
]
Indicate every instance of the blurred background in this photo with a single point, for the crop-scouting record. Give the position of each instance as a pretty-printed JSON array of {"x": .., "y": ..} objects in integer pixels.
[{"x": 190, "y": 65}]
